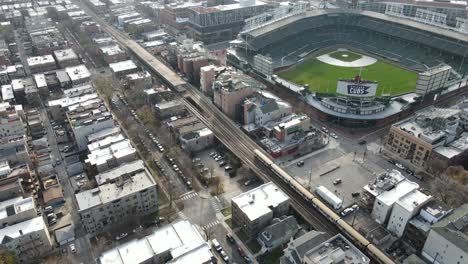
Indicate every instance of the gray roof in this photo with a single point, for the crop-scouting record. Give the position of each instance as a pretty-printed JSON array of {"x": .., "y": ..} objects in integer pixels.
[
  {"x": 280, "y": 228},
  {"x": 454, "y": 227},
  {"x": 413, "y": 259},
  {"x": 305, "y": 243}
]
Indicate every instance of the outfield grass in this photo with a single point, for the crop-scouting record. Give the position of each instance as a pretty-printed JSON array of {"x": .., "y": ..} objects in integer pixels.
[
  {"x": 323, "y": 77},
  {"x": 347, "y": 56}
]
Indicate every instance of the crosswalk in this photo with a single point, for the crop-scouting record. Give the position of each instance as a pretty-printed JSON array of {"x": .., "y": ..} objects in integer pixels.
[
  {"x": 211, "y": 225},
  {"x": 182, "y": 216},
  {"x": 188, "y": 196},
  {"x": 215, "y": 204}
]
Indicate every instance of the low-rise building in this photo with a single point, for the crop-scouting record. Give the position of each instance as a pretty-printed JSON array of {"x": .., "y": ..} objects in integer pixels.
[
  {"x": 262, "y": 108},
  {"x": 414, "y": 139},
  {"x": 197, "y": 140},
  {"x": 78, "y": 74},
  {"x": 11, "y": 122},
  {"x": 111, "y": 156},
  {"x": 278, "y": 233},
  {"x": 178, "y": 242},
  {"x": 59, "y": 107},
  {"x": 16, "y": 210},
  {"x": 122, "y": 68},
  {"x": 207, "y": 77},
  {"x": 7, "y": 93},
  {"x": 41, "y": 63},
  {"x": 66, "y": 58},
  {"x": 448, "y": 239},
  {"x": 139, "y": 81},
  {"x": 112, "y": 53},
  {"x": 87, "y": 119},
  {"x": 230, "y": 89},
  {"x": 170, "y": 108},
  {"x": 254, "y": 209},
  {"x": 404, "y": 209},
  {"x": 121, "y": 196},
  {"x": 296, "y": 250},
  {"x": 385, "y": 191},
  {"x": 28, "y": 240}
]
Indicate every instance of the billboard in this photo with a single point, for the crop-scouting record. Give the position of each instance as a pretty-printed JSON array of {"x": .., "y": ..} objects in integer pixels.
[{"x": 356, "y": 89}]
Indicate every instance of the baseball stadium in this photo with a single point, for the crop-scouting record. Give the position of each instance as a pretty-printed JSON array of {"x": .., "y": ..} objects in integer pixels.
[{"x": 315, "y": 52}]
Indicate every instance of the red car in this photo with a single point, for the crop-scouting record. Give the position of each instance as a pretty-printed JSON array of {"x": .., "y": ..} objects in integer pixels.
[{"x": 241, "y": 252}]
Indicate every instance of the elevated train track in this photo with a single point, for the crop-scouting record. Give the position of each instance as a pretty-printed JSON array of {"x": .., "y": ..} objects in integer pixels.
[{"x": 317, "y": 214}]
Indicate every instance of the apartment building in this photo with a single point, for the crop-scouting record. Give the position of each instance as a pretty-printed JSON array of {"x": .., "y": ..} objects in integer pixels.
[
  {"x": 139, "y": 81},
  {"x": 197, "y": 140},
  {"x": 169, "y": 108},
  {"x": 122, "y": 68},
  {"x": 86, "y": 119},
  {"x": 254, "y": 209},
  {"x": 177, "y": 242},
  {"x": 66, "y": 58},
  {"x": 11, "y": 121},
  {"x": 78, "y": 74},
  {"x": 230, "y": 89},
  {"x": 111, "y": 155},
  {"x": 123, "y": 193},
  {"x": 448, "y": 239},
  {"x": 41, "y": 63},
  {"x": 112, "y": 53},
  {"x": 28, "y": 240},
  {"x": 16, "y": 210},
  {"x": 414, "y": 139}
]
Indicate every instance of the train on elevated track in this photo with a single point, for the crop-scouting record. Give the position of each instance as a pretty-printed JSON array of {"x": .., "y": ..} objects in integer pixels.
[{"x": 335, "y": 218}]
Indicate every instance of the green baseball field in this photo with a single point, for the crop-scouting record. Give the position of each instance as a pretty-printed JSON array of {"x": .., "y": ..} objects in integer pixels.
[{"x": 322, "y": 75}]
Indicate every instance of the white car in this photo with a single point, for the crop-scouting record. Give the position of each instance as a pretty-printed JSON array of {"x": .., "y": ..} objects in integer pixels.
[
  {"x": 72, "y": 248},
  {"x": 333, "y": 135},
  {"x": 121, "y": 236},
  {"x": 398, "y": 165}
]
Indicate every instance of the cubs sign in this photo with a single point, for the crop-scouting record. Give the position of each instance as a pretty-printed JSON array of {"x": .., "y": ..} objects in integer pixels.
[{"x": 356, "y": 89}]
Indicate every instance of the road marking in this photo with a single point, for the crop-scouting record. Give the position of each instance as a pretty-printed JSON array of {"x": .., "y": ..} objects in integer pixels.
[
  {"x": 189, "y": 195},
  {"x": 215, "y": 205},
  {"x": 210, "y": 225},
  {"x": 182, "y": 216}
]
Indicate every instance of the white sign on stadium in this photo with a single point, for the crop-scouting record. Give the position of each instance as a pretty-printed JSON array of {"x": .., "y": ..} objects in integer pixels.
[{"x": 357, "y": 89}]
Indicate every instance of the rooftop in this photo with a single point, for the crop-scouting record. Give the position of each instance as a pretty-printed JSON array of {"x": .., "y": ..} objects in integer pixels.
[
  {"x": 103, "y": 134},
  {"x": 38, "y": 60},
  {"x": 111, "y": 50},
  {"x": 15, "y": 206},
  {"x": 336, "y": 250},
  {"x": 40, "y": 80},
  {"x": 109, "y": 192},
  {"x": 117, "y": 150},
  {"x": 413, "y": 200},
  {"x": 168, "y": 104},
  {"x": 7, "y": 92},
  {"x": 122, "y": 66},
  {"x": 78, "y": 72},
  {"x": 181, "y": 238},
  {"x": 124, "y": 169},
  {"x": 22, "y": 229},
  {"x": 138, "y": 75},
  {"x": 257, "y": 202},
  {"x": 454, "y": 227},
  {"x": 105, "y": 142},
  {"x": 68, "y": 101},
  {"x": 389, "y": 187},
  {"x": 65, "y": 54},
  {"x": 455, "y": 148}
]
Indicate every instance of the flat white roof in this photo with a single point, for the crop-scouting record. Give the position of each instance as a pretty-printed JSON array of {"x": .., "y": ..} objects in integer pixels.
[
  {"x": 40, "y": 80},
  {"x": 256, "y": 202},
  {"x": 138, "y": 75},
  {"x": 17, "y": 84},
  {"x": 111, "y": 50},
  {"x": 25, "y": 227},
  {"x": 19, "y": 204},
  {"x": 122, "y": 66},
  {"x": 116, "y": 150},
  {"x": 7, "y": 92},
  {"x": 38, "y": 60},
  {"x": 105, "y": 142},
  {"x": 109, "y": 192},
  {"x": 103, "y": 133},
  {"x": 400, "y": 190},
  {"x": 68, "y": 101},
  {"x": 65, "y": 54},
  {"x": 78, "y": 72},
  {"x": 127, "y": 168},
  {"x": 181, "y": 238},
  {"x": 414, "y": 200}
]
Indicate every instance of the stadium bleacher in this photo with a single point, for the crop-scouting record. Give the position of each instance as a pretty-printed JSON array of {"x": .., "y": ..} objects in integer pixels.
[{"x": 410, "y": 47}]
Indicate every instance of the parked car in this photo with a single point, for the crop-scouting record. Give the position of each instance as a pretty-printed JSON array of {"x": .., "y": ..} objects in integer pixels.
[
  {"x": 398, "y": 165},
  {"x": 227, "y": 168},
  {"x": 337, "y": 181},
  {"x": 216, "y": 245},
  {"x": 241, "y": 252},
  {"x": 224, "y": 256},
  {"x": 48, "y": 209},
  {"x": 362, "y": 142},
  {"x": 300, "y": 163},
  {"x": 137, "y": 229},
  {"x": 248, "y": 182},
  {"x": 333, "y": 135},
  {"x": 355, "y": 194},
  {"x": 72, "y": 248},
  {"x": 121, "y": 236},
  {"x": 230, "y": 238}
]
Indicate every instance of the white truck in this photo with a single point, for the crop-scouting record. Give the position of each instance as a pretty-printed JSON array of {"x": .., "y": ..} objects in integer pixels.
[{"x": 329, "y": 197}]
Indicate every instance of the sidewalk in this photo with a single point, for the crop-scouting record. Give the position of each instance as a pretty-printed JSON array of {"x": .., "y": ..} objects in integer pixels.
[{"x": 239, "y": 242}]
